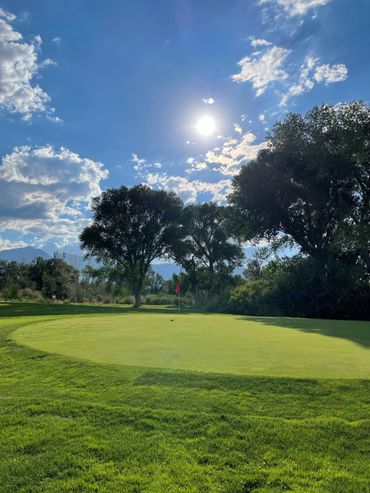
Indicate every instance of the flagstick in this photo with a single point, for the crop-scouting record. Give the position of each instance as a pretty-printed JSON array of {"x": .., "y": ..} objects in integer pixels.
[{"x": 179, "y": 299}]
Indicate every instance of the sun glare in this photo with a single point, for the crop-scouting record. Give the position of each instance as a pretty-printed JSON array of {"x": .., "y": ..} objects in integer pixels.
[{"x": 206, "y": 126}]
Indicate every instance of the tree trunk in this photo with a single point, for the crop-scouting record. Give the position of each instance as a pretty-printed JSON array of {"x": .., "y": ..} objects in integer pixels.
[
  {"x": 137, "y": 299},
  {"x": 196, "y": 295},
  {"x": 211, "y": 287}
]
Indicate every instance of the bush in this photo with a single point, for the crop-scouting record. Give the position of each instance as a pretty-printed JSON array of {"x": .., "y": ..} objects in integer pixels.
[
  {"x": 10, "y": 292},
  {"x": 219, "y": 304},
  {"x": 30, "y": 294},
  {"x": 160, "y": 299},
  {"x": 252, "y": 298},
  {"x": 126, "y": 300}
]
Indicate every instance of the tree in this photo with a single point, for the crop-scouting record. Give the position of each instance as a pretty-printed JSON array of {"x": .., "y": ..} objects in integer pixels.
[
  {"x": 312, "y": 183},
  {"x": 154, "y": 282},
  {"x": 131, "y": 227},
  {"x": 105, "y": 281},
  {"x": 58, "y": 279},
  {"x": 311, "y": 186},
  {"x": 209, "y": 244}
]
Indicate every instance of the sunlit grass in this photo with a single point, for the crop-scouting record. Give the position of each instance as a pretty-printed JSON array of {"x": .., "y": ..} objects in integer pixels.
[
  {"x": 210, "y": 343},
  {"x": 68, "y": 425}
]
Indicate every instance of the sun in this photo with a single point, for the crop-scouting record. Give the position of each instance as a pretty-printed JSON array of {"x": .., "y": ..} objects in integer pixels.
[{"x": 206, "y": 126}]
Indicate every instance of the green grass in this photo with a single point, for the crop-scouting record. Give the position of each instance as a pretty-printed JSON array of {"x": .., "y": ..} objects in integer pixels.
[
  {"x": 72, "y": 425},
  {"x": 211, "y": 343}
]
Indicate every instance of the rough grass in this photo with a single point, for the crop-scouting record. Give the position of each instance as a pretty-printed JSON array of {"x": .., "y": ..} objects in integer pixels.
[{"x": 68, "y": 425}]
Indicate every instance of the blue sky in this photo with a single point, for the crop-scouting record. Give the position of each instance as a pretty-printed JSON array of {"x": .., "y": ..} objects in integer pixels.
[{"x": 101, "y": 94}]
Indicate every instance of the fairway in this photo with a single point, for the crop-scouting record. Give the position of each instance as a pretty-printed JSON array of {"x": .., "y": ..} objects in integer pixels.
[{"x": 210, "y": 343}]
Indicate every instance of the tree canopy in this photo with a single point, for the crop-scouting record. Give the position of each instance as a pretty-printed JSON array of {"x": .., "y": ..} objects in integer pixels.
[
  {"x": 132, "y": 227},
  {"x": 209, "y": 244},
  {"x": 311, "y": 186},
  {"x": 312, "y": 183}
]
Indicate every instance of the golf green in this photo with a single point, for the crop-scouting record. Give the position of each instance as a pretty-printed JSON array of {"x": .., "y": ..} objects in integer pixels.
[{"x": 210, "y": 343}]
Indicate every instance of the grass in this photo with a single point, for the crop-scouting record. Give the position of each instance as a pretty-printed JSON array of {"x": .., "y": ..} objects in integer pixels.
[
  {"x": 210, "y": 343},
  {"x": 72, "y": 425}
]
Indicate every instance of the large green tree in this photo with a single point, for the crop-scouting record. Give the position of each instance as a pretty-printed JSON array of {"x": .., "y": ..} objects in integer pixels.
[
  {"x": 312, "y": 184},
  {"x": 131, "y": 227},
  {"x": 54, "y": 277},
  {"x": 208, "y": 246}
]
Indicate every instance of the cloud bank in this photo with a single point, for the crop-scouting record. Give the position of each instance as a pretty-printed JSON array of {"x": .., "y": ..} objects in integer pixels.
[
  {"x": 19, "y": 66},
  {"x": 45, "y": 191}
]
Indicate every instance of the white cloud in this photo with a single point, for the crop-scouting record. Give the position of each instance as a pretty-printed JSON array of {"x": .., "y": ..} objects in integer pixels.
[
  {"x": 19, "y": 65},
  {"x": 331, "y": 73},
  {"x": 228, "y": 159},
  {"x": 57, "y": 40},
  {"x": 44, "y": 191},
  {"x": 262, "y": 68},
  {"x": 262, "y": 117},
  {"x": 296, "y": 7},
  {"x": 139, "y": 163},
  {"x": 311, "y": 73},
  {"x": 257, "y": 42},
  {"x": 234, "y": 154},
  {"x": 141, "y": 166},
  {"x": 47, "y": 63},
  {"x": 189, "y": 190},
  {"x": 8, "y": 244},
  {"x": 7, "y": 15},
  {"x": 238, "y": 128},
  {"x": 208, "y": 100}
]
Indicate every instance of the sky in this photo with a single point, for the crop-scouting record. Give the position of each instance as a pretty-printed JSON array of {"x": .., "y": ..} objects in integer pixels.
[{"x": 176, "y": 94}]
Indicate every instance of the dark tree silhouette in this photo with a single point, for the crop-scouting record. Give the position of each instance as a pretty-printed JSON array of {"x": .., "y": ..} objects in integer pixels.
[{"x": 208, "y": 245}]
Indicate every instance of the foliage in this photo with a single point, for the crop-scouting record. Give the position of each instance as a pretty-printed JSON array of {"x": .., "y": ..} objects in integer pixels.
[
  {"x": 311, "y": 188},
  {"x": 209, "y": 247},
  {"x": 161, "y": 299},
  {"x": 295, "y": 286},
  {"x": 51, "y": 277},
  {"x": 131, "y": 228},
  {"x": 252, "y": 298},
  {"x": 312, "y": 183}
]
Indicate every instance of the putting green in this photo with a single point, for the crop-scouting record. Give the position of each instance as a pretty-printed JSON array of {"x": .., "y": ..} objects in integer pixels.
[{"x": 210, "y": 343}]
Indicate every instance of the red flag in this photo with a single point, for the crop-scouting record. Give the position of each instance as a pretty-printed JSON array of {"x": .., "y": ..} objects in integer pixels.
[{"x": 178, "y": 288}]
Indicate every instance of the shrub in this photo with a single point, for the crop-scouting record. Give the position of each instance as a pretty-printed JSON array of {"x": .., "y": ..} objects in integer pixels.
[
  {"x": 252, "y": 298},
  {"x": 30, "y": 294},
  {"x": 126, "y": 300},
  {"x": 10, "y": 292},
  {"x": 219, "y": 303},
  {"x": 160, "y": 299}
]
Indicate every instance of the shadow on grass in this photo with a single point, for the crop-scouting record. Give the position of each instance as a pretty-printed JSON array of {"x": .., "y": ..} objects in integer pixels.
[
  {"x": 355, "y": 331},
  {"x": 44, "y": 309},
  {"x": 236, "y": 383}
]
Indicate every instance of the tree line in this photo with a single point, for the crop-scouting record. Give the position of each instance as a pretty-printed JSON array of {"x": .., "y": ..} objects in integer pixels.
[
  {"x": 42, "y": 279},
  {"x": 309, "y": 189},
  {"x": 306, "y": 197}
]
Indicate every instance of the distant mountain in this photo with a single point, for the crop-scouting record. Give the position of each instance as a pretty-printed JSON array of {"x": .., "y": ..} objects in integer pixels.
[
  {"x": 28, "y": 254},
  {"x": 25, "y": 254}
]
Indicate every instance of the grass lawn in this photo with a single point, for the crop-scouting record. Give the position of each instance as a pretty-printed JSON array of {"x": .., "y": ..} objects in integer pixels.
[
  {"x": 210, "y": 343},
  {"x": 160, "y": 402}
]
